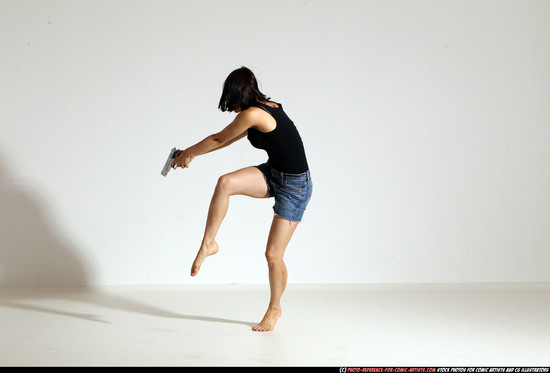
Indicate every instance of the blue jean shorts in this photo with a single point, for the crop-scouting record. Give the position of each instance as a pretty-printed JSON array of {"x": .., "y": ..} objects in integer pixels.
[{"x": 292, "y": 192}]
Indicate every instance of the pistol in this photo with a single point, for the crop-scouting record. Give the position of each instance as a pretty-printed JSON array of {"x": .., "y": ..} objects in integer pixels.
[{"x": 169, "y": 161}]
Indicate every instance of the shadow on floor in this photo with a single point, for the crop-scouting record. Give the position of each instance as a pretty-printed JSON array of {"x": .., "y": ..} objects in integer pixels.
[
  {"x": 25, "y": 299},
  {"x": 34, "y": 251}
]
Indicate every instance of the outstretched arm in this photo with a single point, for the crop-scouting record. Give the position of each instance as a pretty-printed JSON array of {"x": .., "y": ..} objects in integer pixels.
[
  {"x": 236, "y": 130},
  {"x": 230, "y": 141}
]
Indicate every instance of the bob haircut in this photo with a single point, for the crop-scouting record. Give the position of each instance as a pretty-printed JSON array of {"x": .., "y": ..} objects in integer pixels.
[{"x": 240, "y": 90}]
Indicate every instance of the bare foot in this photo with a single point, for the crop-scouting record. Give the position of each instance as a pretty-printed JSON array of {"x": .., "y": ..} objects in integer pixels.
[
  {"x": 270, "y": 319},
  {"x": 206, "y": 249}
]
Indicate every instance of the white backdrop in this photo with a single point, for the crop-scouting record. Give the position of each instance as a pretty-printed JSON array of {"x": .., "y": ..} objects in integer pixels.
[{"x": 426, "y": 124}]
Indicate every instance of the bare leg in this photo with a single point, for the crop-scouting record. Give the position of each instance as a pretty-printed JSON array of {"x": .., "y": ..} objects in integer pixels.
[
  {"x": 247, "y": 181},
  {"x": 279, "y": 236}
]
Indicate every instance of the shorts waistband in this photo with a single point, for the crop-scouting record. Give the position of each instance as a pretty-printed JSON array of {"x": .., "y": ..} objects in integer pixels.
[{"x": 306, "y": 175}]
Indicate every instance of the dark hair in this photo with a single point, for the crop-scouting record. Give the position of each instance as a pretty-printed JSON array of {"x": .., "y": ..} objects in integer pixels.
[{"x": 240, "y": 90}]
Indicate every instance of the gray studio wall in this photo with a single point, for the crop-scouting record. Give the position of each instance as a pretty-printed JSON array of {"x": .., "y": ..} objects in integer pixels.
[{"x": 426, "y": 124}]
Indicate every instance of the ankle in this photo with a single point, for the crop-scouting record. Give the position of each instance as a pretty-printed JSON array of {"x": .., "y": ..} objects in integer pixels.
[
  {"x": 208, "y": 242},
  {"x": 275, "y": 307}
]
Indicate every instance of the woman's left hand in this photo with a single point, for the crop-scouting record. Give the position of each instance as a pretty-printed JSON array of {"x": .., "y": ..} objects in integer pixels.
[{"x": 183, "y": 158}]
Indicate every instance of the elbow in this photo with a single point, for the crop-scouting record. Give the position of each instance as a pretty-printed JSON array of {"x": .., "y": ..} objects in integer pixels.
[{"x": 218, "y": 141}]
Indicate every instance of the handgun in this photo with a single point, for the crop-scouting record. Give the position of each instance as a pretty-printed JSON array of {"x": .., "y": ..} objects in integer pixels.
[{"x": 169, "y": 161}]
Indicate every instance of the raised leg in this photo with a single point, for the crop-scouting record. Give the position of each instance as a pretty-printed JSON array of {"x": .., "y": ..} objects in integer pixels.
[
  {"x": 279, "y": 236},
  {"x": 247, "y": 181}
]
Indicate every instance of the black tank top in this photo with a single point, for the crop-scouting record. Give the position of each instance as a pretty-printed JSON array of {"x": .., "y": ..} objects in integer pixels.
[{"x": 283, "y": 145}]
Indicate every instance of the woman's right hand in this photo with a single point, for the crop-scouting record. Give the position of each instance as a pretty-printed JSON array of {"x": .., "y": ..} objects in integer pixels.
[{"x": 182, "y": 159}]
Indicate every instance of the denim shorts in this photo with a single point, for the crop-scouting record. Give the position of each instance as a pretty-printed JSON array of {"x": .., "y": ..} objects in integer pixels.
[{"x": 292, "y": 192}]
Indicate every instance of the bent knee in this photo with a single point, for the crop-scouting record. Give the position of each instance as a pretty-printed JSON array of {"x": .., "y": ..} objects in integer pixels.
[{"x": 225, "y": 183}]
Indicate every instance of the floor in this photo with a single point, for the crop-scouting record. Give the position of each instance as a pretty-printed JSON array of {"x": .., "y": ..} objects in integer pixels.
[{"x": 322, "y": 325}]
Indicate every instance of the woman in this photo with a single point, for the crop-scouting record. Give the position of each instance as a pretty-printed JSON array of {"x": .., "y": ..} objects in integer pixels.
[{"x": 285, "y": 176}]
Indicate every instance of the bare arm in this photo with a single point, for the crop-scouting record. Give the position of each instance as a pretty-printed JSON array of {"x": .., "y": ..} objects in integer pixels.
[
  {"x": 236, "y": 130},
  {"x": 231, "y": 141}
]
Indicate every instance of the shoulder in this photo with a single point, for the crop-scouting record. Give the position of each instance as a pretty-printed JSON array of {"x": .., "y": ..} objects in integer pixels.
[
  {"x": 253, "y": 114},
  {"x": 257, "y": 118},
  {"x": 248, "y": 118}
]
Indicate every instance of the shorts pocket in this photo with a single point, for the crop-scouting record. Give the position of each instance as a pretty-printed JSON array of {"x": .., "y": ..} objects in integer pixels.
[{"x": 297, "y": 184}]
